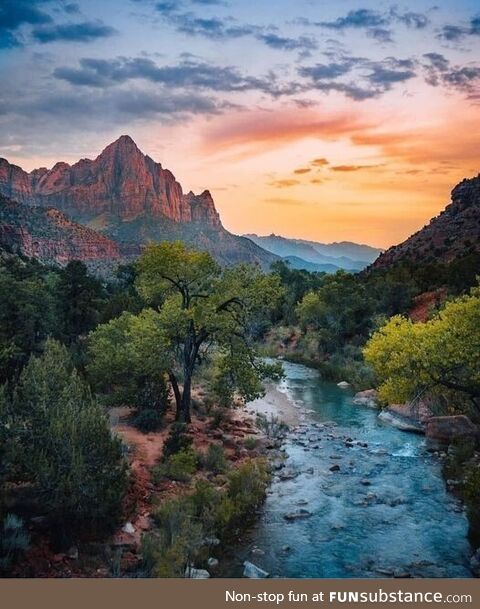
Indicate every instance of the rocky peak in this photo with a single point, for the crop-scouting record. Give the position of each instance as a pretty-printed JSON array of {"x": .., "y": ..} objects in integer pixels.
[{"x": 121, "y": 183}]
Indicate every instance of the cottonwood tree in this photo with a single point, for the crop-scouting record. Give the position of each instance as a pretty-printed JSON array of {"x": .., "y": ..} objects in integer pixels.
[
  {"x": 438, "y": 357},
  {"x": 197, "y": 309}
]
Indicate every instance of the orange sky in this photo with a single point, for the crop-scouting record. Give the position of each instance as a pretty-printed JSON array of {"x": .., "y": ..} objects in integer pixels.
[{"x": 320, "y": 120}]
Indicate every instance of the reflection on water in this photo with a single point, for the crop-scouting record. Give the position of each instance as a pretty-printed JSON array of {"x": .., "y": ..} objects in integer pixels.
[{"x": 385, "y": 512}]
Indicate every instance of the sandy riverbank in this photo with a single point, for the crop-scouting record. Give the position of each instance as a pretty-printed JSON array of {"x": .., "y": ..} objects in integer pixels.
[{"x": 277, "y": 404}]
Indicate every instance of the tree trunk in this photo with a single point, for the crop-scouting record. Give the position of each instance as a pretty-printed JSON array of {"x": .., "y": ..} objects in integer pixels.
[
  {"x": 183, "y": 414},
  {"x": 176, "y": 393}
]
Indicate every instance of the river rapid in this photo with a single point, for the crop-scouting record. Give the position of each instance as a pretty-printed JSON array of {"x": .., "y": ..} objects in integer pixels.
[{"x": 373, "y": 499}]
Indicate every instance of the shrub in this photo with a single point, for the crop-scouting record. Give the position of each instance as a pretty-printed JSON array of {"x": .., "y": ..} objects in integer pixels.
[
  {"x": 250, "y": 443},
  {"x": 14, "y": 540},
  {"x": 179, "y": 466},
  {"x": 167, "y": 551},
  {"x": 66, "y": 449},
  {"x": 247, "y": 485},
  {"x": 148, "y": 420},
  {"x": 472, "y": 497},
  {"x": 177, "y": 440},
  {"x": 215, "y": 460},
  {"x": 272, "y": 427}
]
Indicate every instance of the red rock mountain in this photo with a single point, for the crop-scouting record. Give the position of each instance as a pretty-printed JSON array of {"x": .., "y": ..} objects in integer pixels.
[
  {"x": 132, "y": 199},
  {"x": 46, "y": 234},
  {"x": 455, "y": 232},
  {"x": 121, "y": 182}
]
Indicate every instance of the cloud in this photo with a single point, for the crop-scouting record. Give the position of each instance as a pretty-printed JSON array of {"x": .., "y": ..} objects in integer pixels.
[
  {"x": 302, "y": 170},
  {"x": 16, "y": 13},
  {"x": 85, "y": 31},
  {"x": 375, "y": 23},
  {"x": 228, "y": 28},
  {"x": 360, "y": 18},
  {"x": 357, "y": 77},
  {"x": 348, "y": 168},
  {"x": 284, "y": 183},
  {"x": 319, "y": 162},
  {"x": 189, "y": 74},
  {"x": 455, "y": 33},
  {"x": 257, "y": 131},
  {"x": 439, "y": 71}
]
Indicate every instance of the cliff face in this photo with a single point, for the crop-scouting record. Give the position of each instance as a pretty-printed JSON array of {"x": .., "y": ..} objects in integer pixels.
[
  {"x": 121, "y": 182},
  {"x": 49, "y": 236},
  {"x": 127, "y": 196},
  {"x": 453, "y": 233}
]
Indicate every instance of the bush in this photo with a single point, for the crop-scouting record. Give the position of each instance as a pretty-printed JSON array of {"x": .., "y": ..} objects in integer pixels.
[
  {"x": 180, "y": 466},
  {"x": 14, "y": 540},
  {"x": 148, "y": 420},
  {"x": 272, "y": 427},
  {"x": 215, "y": 460},
  {"x": 66, "y": 449},
  {"x": 177, "y": 440},
  {"x": 472, "y": 498},
  {"x": 250, "y": 443},
  {"x": 247, "y": 485}
]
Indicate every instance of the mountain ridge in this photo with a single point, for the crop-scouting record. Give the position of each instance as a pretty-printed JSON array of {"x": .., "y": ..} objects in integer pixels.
[
  {"x": 454, "y": 232},
  {"x": 126, "y": 196}
]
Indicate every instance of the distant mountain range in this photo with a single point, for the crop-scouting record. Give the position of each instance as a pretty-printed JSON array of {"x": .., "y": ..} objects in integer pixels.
[{"x": 314, "y": 256}]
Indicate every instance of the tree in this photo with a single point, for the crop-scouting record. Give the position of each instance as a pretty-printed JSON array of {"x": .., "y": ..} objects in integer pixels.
[
  {"x": 26, "y": 305},
  {"x": 80, "y": 297},
  {"x": 200, "y": 307},
  {"x": 438, "y": 357},
  {"x": 65, "y": 447},
  {"x": 340, "y": 311},
  {"x": 128, "y": 361}
]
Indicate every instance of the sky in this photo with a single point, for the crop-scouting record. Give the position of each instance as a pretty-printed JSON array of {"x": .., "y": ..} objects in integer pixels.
[{"x": 326, "y": 120}]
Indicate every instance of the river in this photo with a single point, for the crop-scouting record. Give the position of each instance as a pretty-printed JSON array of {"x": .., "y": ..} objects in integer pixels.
[{"x": 385, "y": 512}]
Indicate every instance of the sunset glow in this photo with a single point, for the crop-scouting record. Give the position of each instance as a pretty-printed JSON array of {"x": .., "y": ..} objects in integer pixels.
[{"x": 321, "y": 122}]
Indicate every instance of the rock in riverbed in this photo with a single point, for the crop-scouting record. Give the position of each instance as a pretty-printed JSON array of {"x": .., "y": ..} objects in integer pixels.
[
  {"x": 298, "y": 515},
  {"x": 253, "y": 572}
]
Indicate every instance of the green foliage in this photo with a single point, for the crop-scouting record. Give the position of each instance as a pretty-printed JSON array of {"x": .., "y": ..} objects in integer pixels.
[
  {"x": 127, "y": 361},
  {"x": 441, "y": 356},
  {"x": 65, "y": 448},
  {"x": 79, "y": 300},
  {"x": 179, "y": 466},
  {"x": 250, "y": 443},
  {"x": 472, "y": 497},
  {"x": 26, "y": 314},
  {"x": 177, "y": 440},
  {"x": 148, "y": 419},
  {"x": 200, "y": 306},
  {"x": 14, "y": 540},
  {"x": 184, "y": 522},
  {"x": 272, "y": 426},
  {"x": 214, "y": 459}
]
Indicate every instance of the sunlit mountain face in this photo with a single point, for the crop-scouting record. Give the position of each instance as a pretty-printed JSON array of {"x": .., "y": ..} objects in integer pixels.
[{"x": 327, "y": 121}]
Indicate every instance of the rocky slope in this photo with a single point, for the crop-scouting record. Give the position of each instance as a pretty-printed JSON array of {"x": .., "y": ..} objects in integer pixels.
[
  {"x": 49, "y": 236},
  {"x": 453, "y": 233},
  {"x": 129, "y": 197}
]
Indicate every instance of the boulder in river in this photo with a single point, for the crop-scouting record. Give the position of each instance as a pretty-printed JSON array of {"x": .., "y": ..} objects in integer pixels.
[
  {"x": 298, "y": 514},
  {"x": 335, "y": 468},
  {"x": 450, "y": 428},
  {"x": 192, "y": 573},
  {"x": 369, "y": 398},
  {"x": 400, "y": 422},
  {"x": 253, "y": 572},
  {"x": 343, "y": 385}
]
